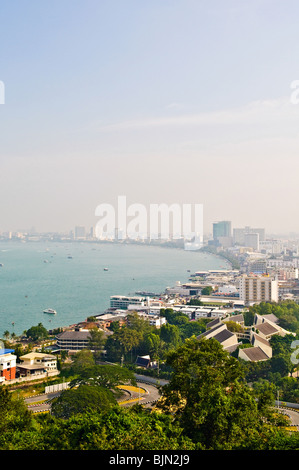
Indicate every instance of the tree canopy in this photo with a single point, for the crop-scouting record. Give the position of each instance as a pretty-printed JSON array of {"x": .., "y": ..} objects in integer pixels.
[
  {"x": 211, "y": 401},
  {"x": 38, "y": 332}
]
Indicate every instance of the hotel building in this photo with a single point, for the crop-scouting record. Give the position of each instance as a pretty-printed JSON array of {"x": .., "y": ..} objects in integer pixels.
[{"x": 256, "y": 289}]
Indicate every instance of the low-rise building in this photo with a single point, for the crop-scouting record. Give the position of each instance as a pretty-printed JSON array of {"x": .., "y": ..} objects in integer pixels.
[
  {"x": 197, "y": 312},
  {"x": 122, "y": 301},
  {"x": 74, "y": 340},
  {"x": 258, "y": 335},
  {"x": 218, "y": 330},
  {"x": 267, "y": 326},
  {"x": 254, "y": 354},
  {"x": 153, "y": 320},
  {"x": 7, "y": 365},
  {"x": 259, "y": 341},
  {"x": 35, "y": 363},
  {"x": 145, "y": 362}
]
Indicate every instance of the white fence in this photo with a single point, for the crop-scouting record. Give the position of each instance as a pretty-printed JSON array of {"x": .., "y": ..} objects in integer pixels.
[{"x": 57, "y": 387}]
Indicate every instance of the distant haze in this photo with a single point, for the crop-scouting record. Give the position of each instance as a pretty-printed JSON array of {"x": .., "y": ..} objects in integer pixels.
[{"x": 181, "y": 101}]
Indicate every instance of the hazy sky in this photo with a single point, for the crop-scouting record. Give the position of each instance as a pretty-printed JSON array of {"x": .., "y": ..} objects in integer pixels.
[{"x": 164, "y": 101}]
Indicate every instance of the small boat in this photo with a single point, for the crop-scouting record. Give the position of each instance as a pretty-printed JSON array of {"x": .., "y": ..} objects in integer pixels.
[
  {"x": 50, "y": 310},
  {"x": 105, "y": 269}
]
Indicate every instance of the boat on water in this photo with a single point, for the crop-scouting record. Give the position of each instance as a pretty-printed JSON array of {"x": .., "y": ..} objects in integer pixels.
[
  {"x": 50, "y": 310},
  {"x": 105, "y": 269}
]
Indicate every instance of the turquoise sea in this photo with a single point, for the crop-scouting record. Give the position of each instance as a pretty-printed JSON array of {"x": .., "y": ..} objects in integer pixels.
[{"x": 69, "y": 277}]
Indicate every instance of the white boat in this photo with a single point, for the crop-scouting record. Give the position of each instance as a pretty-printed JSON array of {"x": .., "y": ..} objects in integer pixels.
[{"x": 50, "y": 310}]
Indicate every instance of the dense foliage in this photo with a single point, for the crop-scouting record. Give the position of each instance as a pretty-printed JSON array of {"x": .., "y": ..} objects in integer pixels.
[
  {"x": 286, "y": 311},
  {"x": 211, "y": 401},
  {"x": 206, "y": 405},
  {"x": 279, "y": 369}
]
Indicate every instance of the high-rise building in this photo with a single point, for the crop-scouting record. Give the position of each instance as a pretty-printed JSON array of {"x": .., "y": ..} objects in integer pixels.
[
  {"x": 222, "y": 229},
  {"x": 79, "y": 232},
  {"x": 256, "y": 289},
  {"x": 239, "y": 234}
]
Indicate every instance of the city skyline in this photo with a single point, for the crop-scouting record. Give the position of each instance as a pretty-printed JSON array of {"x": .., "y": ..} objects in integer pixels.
[{"x": 167, "y": 102}]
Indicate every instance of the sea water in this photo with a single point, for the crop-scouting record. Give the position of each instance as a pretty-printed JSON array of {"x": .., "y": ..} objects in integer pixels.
[{"x": 77, "y": 279}]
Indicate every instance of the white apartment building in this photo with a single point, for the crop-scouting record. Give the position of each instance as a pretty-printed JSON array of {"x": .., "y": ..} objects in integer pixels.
[
  {"x": 35, "y": 363},
  {"x": 153, "y": 320},
  {"x": 255, "y": 289},
  {"x": 122, "y": 302}
]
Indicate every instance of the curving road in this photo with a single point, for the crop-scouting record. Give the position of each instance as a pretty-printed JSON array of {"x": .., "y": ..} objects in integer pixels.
[
  {"x": 42, "y": 403},
  {"x": 146, "y": 398},
  {"x": 293, "y": 415}
]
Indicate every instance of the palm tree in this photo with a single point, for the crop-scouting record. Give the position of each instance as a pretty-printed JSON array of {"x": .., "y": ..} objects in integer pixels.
[{"x": 6, "y": 334}]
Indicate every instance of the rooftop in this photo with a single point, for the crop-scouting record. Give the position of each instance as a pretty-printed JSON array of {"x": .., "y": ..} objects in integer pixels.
[
  {"x": 6, "y": 351},
  {"x": 255, "y": 354},
  {"x": 75, "y": 335},
  {"x": 267, "y": 329}
]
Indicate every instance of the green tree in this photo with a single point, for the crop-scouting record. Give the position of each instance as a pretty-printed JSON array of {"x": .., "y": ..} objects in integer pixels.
[
  {"x": 281, "y": 364},
  {"x": 96, "y": 342},
  {"x": 14, "y": 418},
  {"x": 37, "y": 333},
  {"x": 83, "y": 399},
  {"x": 129, "y": 339},
  {"x": 113, "y": 429},
  {"x": 170, "y": 334},
  {"x": 106, "y": 376},
  {"x": 234, "y": 326},
  {"x": 207, "y": 290},
  {"x": 6, "y": 334},
  {"x": 194, "y": 302},
  {"x": 114, "y": 349},
  {"x": 82, "y": 360},
  {"x": 209, "y": 398},
  {"x": 134, "y": 322}
]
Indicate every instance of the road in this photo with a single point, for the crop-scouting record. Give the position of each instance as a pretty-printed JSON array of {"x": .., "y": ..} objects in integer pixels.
[
  {"x": 42, "y": 403},
  {"x": 293, "y": 415},
  {"x": 146, "y": 398}
]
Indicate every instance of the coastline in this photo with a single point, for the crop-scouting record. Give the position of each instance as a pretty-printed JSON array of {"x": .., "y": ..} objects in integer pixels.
[{"x": 79, "y": 287}]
